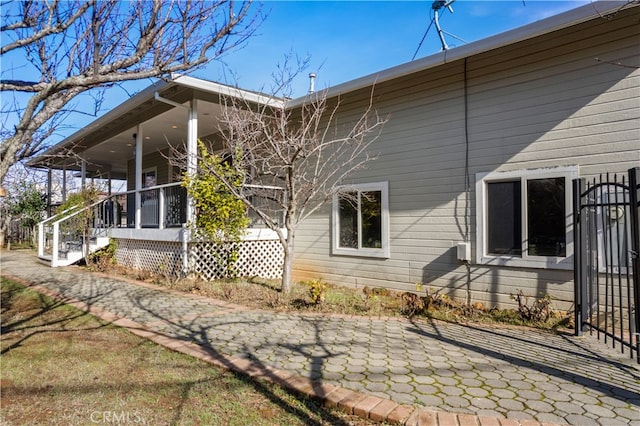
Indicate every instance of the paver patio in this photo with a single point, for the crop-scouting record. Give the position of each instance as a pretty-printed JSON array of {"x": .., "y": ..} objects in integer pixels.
[{"x": 464, "y": 373}]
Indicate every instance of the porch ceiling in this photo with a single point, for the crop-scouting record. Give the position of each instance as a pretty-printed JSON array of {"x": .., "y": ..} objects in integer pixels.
[{"x": 108, "y": 146}]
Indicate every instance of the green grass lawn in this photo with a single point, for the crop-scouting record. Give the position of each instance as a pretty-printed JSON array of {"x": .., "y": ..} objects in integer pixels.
[{"x": 62, "y": 366}]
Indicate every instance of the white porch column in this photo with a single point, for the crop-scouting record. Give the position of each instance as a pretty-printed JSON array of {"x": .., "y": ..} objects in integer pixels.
[
  {"x": 138, "y": 206},
  {"x": 192, "y": 154}
]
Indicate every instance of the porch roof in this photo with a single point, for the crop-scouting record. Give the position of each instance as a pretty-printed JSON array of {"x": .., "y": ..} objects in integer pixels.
[{"x": 108, "y": 143}]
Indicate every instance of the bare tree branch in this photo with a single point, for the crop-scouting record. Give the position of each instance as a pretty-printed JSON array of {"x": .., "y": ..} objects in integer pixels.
[
  {"x": 76, "y": 46},
  {"x": 55, "y": 23},
  {"x": 305, "y": 153}
]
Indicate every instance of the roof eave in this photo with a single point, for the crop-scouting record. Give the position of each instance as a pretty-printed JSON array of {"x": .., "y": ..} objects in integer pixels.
[
  {"x": 145, "y": 95},
  {"x": 121, "y": 109},
  {"x": 230, "y": 91},
  {"x": 535, "y": 29}
]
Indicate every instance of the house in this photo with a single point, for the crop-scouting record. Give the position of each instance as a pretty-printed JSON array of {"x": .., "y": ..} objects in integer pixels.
[{"x": 473, "y": 173}]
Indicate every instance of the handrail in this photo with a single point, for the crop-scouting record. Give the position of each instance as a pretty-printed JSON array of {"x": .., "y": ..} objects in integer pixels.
[
  {"x": 148, "y": 188},
  {"x": 58, "y": 214},
  {"x": 248, "y": 185},
  {"x": 84, "y": 209},
  {"x": 56, "y": 228},
  {"x": 53, "y": 223}
]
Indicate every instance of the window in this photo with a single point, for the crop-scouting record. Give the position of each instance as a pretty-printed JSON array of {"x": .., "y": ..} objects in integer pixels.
[
  {"x": 360, "y": 220},
  {"x": 149, "y": 177},
  {"x": 524, "y": 218}
]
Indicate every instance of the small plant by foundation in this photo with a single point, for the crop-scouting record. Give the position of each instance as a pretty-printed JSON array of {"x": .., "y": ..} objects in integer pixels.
[
  {"x": 317, "y": 291},
  {"x": 538, "y": 311},
  {"x": 412, "y": 304},
  {"x": 104, "y": 259}
]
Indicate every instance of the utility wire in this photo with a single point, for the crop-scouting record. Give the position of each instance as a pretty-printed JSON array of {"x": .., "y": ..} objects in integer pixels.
[{"x": 422, "y": 41}]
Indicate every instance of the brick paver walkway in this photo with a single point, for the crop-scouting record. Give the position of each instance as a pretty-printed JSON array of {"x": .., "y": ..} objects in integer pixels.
[{"x": 459, "y": 373}]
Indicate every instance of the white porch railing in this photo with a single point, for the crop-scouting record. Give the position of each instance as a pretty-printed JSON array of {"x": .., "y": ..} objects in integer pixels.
[
  {"x": 61, "y": 239},
  {"x": 161, "y": 206},
  {"x": 64, "y": 239}
]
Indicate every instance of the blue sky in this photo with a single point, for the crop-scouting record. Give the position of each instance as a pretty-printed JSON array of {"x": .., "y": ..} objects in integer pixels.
[
  {"x": 350, "y": 39},
  {"x": 344, "y": 39}
]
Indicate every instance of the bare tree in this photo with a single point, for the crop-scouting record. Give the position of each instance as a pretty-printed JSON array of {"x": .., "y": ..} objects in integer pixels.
[
  {"x": 294, "y": 158},
  {"x": 67, "y": 47}
]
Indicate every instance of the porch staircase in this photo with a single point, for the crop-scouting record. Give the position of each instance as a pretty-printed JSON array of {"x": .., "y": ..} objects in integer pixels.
[
  {"x": 73, "y": 252},
  {"x": 61, "y": 238}
]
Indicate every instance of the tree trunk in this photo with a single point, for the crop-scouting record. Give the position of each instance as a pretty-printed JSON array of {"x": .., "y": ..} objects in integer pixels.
[
  {"x": 3, "y": 233},
  {"x": 34, "y": 237},
  {"x": 287, "y": 267}
]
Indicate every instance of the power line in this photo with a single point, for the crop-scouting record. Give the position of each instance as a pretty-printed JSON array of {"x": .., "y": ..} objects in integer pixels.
[{"x": 423, "y": 37}]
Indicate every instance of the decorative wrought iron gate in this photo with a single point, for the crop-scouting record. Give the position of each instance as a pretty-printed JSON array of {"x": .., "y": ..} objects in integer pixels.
[{"x": 607, "y": 264}]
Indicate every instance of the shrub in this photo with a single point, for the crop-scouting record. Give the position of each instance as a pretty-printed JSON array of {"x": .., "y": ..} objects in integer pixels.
[
  {"x": 412, "y": 304},
  {"x": 317, "y": 291},
  {"x": 103, "y": 259},
  {"x": 539, "y": 311},
  {"x": 221, "y": 216}
]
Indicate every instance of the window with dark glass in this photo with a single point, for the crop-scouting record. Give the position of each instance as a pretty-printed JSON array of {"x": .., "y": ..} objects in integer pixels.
[
  {"x": 348, "y": 220},
  {"x": 504, "y": 226},
  {"x": 546, "y": 217},
  {"x": 360, "y": 216},
  {"x": 545, "y": 233},
  {"x": 371, "y": 214}
]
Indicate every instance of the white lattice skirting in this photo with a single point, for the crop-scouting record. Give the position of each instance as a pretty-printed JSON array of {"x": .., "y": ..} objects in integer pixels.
[{"x": 257, "y": 258}]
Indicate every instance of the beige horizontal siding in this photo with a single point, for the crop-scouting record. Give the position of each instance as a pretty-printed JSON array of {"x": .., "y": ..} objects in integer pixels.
[
  {"x": 155, "y": 159},
  {"x": 544, "y": 102}
]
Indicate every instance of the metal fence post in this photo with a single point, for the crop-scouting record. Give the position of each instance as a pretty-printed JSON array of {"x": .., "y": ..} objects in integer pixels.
[
  {"x": 578, "y": 278},
  {"x": 634, "y": 209}
]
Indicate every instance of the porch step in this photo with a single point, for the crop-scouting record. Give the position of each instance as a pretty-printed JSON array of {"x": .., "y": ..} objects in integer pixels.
[{"x": 70, "y": 257}]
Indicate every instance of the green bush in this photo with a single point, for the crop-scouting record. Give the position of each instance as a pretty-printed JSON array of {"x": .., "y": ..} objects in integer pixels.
[
  {"x": 220, "y": 216},
  {"x": 317, "y": 291}
]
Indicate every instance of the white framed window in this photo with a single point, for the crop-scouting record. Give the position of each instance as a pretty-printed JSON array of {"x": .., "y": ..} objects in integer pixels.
[
  {"x": 361, "y": 220},
  {"x": 149, "y": 177},
  {"x": 524, "y": 218}
]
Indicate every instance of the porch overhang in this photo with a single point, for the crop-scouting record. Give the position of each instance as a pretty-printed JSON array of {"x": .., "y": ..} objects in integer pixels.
[{"x": 107, "y": 144}]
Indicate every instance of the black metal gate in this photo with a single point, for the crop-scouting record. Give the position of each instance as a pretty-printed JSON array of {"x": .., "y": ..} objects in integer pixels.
[{"x": 606, "y": 262}]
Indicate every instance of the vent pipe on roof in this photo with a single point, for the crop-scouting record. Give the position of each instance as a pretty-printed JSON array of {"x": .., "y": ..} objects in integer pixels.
[{"x": 312, "y": 82}]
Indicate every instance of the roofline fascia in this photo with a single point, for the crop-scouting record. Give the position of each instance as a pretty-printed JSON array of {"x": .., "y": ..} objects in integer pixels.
[
  {"x": 553, "y": 23},
  {"x": 225, "y": 90}
]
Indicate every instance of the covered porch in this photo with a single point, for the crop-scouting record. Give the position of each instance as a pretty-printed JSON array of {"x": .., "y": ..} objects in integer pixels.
[{"x": 138, "y": 142}]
